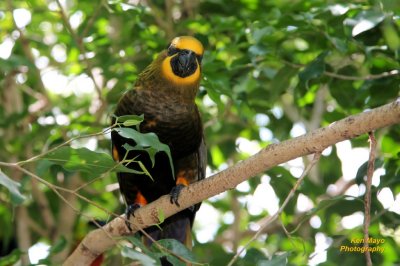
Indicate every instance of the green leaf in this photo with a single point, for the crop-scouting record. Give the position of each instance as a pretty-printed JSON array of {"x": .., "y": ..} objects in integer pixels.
[
  {"x": 276, "y": 260},
  {"x": 314, "y": 69},
  {"x": 147, "y": 142},
  {"x": 342, "y": 205},
  {"x": 281, "y": 81},
  {"x": 365, "y": 21},
  {"x": 161, "y": 215},
  {"x": 144, "y": 169},
  {"x": 137, "y": 256},
  {"x": 137, "y": 242},
  {"x": 258, "y": 50},
  {"x": 259, "y": 34},
  {"x": 43, "y": 166},
  {"x": 14, "y": 62},
  {"x": 344, "y": 91},
  {"x": 93, "y": 164},
  {"x": 362, "y": 170},
  {"x": 130, "y": 120},
  {"x": 339, "y": 44},
  {"x": 253, "y": 257},
  {"x": 12, "y": 186},
  {"x": 177, "y": 248},
  {"x": 58, "y": 246},
  {"x": 11, "y": 259},
  {"x": 391, "y": 36}
]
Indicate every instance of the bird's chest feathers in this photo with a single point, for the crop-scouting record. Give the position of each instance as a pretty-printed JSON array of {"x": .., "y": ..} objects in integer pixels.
[{"x": 175, "y": 122}]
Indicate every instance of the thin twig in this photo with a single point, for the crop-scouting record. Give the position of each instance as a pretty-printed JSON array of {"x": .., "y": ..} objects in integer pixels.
[
  {"x": 81, "y": 47},
  {"x": 56, "y": 191},
  {"x": 367, "y": 198},
  {"x": 99, "y": 177},
  {"x": 92, "y": 19},
  {"x": 278, "y": 213},
  {"x": 32, "y": 159},
  {"x": 160, "y": 18},
  {"x": 348, "y": 232},
  {"x": 56, "y": 188},
  {"x": 386, "y": 74},
  {"x": 394, "y": 72},
  {"x": 44, "y": 206},
  {"x": 26, "y": 47},
  {"x": 43, "y": 102},
  {"x": 40, "y": 230},
  {"x": 237, "y": 214},
  {"x": 96, "y": 242}
]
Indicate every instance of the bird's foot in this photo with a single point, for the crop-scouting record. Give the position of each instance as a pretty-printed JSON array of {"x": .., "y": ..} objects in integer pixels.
[
  {"x": 191, "y": 208},
  {"x": 175, "y": 192},
  {"x": 130, "y": 211}
]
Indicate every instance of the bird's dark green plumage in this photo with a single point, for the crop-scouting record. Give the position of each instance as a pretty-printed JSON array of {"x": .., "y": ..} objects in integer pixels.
[{"x": 165, "y": 94}]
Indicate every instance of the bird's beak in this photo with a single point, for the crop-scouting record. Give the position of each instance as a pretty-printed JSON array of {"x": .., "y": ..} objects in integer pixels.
[{"x": 186, "y": 59}]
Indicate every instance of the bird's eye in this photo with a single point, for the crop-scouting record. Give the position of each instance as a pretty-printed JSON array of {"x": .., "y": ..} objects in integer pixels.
[{"x": 172, "y": 50}]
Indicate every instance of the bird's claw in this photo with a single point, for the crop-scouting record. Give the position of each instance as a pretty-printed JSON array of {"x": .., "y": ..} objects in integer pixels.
[
  {"x": 130, "y": 211},
  {"x": 175, "y": 194},
  {"x": 191, "y": 208}
]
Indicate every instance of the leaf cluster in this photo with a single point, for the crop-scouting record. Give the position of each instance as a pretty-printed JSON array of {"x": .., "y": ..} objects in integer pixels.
[{"x": 272, "y": 70}]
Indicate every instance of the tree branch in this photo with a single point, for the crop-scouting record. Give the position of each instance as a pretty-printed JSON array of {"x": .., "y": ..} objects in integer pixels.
[
  {"x": 23, "y": 233},
  {"x": 276, "y": 226},
  {"x": 98, "y": 241},
  {"x": 68, "y": 217},
  {"x": 367, "y": 198}
]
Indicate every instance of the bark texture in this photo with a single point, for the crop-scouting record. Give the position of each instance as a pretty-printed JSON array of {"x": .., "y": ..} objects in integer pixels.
[{"x": 100, "y": 240}]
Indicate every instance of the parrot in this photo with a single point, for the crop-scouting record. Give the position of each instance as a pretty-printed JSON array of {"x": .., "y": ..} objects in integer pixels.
[{"x": 164, "y": 93}]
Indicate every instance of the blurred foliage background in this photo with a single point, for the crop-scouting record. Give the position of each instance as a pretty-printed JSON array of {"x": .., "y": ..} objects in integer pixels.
[{"x": 272, "y": 70}]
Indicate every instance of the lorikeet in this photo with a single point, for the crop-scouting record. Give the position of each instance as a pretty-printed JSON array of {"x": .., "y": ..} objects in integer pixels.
[{"x": 165, "y": 94}]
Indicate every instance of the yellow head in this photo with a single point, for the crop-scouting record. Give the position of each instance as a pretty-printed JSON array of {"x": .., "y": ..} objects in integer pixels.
[{"x": 182, "y": 64}]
